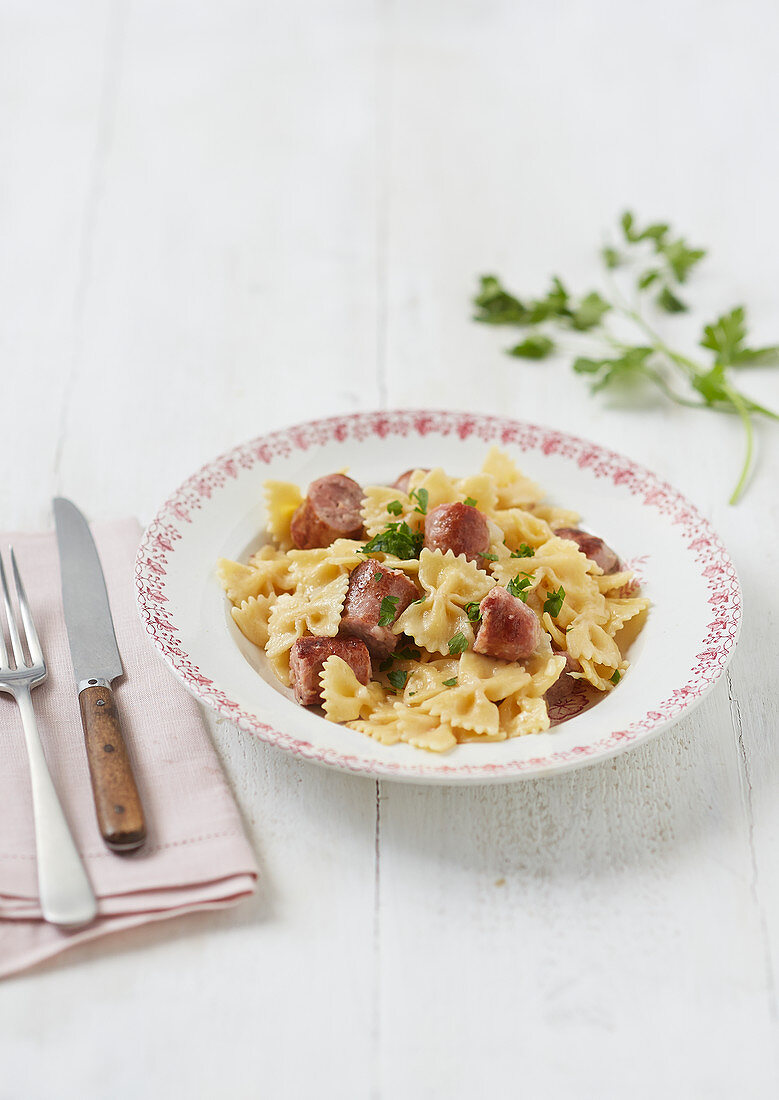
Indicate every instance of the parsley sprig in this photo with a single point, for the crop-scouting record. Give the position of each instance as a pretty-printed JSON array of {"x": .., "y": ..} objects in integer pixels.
[
  {"x": 397, "y": 539},
  {"x": 519, "y": 585},
  {"x": 660, "y": 264}
]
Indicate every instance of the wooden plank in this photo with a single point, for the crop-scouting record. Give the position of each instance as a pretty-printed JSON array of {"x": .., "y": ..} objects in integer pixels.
[{"x": 230, "y": 288}]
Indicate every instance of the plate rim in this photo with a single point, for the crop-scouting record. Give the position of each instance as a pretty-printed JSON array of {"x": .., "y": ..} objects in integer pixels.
[{"x": 716, "y": 567}]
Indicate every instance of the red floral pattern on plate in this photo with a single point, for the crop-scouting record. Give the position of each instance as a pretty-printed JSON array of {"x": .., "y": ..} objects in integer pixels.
[{"x": 160, "y": 539}]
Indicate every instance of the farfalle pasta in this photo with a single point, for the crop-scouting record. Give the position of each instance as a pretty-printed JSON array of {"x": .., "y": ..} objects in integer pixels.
[{"x": 436, "y": 610}]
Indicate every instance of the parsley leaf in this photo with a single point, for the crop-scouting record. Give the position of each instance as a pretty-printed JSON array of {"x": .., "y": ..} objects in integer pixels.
[
  {"x": 668, "y": 301},
  {"x": 553, "y": 604},
  {"x": 458, "y": 643},
  {"x": 470, "y": 502},
  {"x": 535, "y": 346},
  {"x": 615, "y": 679},
  {"x": 496, "y": 306},
  {"x": 394, "y": 507},
  {"x": 611, "y": 257},
  {"x": 524, "y": 551},
  {"x": 726, "y": 337},
  {"x": 589, "y": 312},
  {"x": 397, "y": 539},
  {"x": 389, "y": 610},
  {"x": 518, "y": 588},
  {"x": 489, "y": 557},
  {"x": 397, "y": 678},
  {"x": 420, "y": 495},
  {"x": 449, "y": 683},
  {"x": 473, "y": 611},
  {"x": 681, "y": 258}
]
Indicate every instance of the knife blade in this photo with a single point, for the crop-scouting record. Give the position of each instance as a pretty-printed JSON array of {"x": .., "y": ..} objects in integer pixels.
[{"x": 96, "y": 662}]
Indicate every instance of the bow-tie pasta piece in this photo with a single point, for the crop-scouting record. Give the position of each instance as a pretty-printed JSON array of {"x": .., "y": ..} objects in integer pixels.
[
  {"x": 480, "y": 488},
  {"x": 282, "y": 500},
  {"x": 466, "y": 707},
  {"x": 318, "y": 613},
  {"x": 544, "y": 668},
  {"x": 449, "y": 584},
  {"x": 595, "y": 650},
  {"x": 427, "y": 680},
  {"x": 312, "y": 569},
  {"x": 556, "y": 517},
  {"x": 251, "y": 618},
  {"x": 514, "y": 489},
  {"x": 263, "y": 577},
  {"x": 621, "y": 611},
  {"x": 497, "y": 679},
  {"x": 617, "y": 584},
  {"x": 345, "y": 699},
  {"x": 521, "y": 715},
  {"x": 398, "y": 722},
  {"x": 519, "y": 526}
]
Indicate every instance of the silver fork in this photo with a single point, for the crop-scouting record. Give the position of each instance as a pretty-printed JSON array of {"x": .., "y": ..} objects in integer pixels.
[{"x": 66, "y": 896}]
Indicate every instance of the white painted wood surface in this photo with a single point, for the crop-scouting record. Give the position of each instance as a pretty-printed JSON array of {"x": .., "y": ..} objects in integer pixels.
[{"x": 221, "y": 218}]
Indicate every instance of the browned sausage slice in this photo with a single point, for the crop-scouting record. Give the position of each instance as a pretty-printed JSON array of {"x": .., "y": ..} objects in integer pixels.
[
  {"x": 592, "y": 547},
  {"x": 308, "y": 655},
  {"x": 405, "y": 477},
  {"x": 330, "y": 511},
  {"x": 460, "y": 528},
  {"x": 567, "y": 696},
  {"x": 369, "y": 585},
  {"x": 509, "y": 629}
]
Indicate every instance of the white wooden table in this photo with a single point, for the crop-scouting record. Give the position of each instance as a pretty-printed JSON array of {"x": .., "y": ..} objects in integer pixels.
[{"x": 221, "y": 218}]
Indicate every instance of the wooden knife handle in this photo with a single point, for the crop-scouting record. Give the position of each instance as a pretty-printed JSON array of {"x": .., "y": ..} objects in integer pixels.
[{"x": 119, "y": 810}]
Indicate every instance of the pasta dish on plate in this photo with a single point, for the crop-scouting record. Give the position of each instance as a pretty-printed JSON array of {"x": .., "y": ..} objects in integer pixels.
[{"x": 436, "y": 610}]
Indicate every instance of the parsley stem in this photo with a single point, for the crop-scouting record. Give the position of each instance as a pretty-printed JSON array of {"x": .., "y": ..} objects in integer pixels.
[{"x": 746, "y": 420}]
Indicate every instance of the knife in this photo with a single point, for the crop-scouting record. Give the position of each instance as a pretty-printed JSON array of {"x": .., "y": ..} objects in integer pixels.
[{"x": 96, "y": 662}]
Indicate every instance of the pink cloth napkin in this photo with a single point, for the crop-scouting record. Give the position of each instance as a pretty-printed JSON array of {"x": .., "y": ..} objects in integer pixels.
[{"x": 196, "y": 854}]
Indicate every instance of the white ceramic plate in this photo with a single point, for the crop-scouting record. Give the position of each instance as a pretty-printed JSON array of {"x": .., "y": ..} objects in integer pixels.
[{"x": 685, "y": 571}]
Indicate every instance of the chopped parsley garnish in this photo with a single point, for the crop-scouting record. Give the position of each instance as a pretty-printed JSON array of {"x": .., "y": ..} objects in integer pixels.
[
  {"x": 524, "y": 551},
  {"x": 450, "y": 683},
  {"x": 406, "y": 653},
  {"x": 519, "y": 585},
  {"x": 458, "y": 643},
  {"x": 394, "y": 507},
  {"x": 397, "y": 678},
  {"x": 615, "y": 679},
  {"x": 389, "y": 609},
  {"x": 420, "y": 495},
  {"x": 387, "y": 664},
  {"x": 554, "y": 602},
  {"x": 489, "y": 557},
  {"x": 397, "y": 539},
  {"x": 471, "y": 503},
  {"x": 473, "y": 612}
]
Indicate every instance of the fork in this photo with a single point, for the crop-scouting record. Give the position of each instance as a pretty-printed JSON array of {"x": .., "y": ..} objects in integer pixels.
[{"x": 66, "y": 897}]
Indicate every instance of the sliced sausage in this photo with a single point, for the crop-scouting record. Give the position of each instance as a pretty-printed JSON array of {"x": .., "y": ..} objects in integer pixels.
[
  {"x": 330, "y": 511},
  {"x": 405, "y": 477},
  {"x": 592, "y": 547},
  {"x": 309, "y": 654},
  {"x": 370, "y": 584},
  {"x": 509, "y": 629},
  {"x": 567, "y": 696},
  {"x": 460, "y": 528}
]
